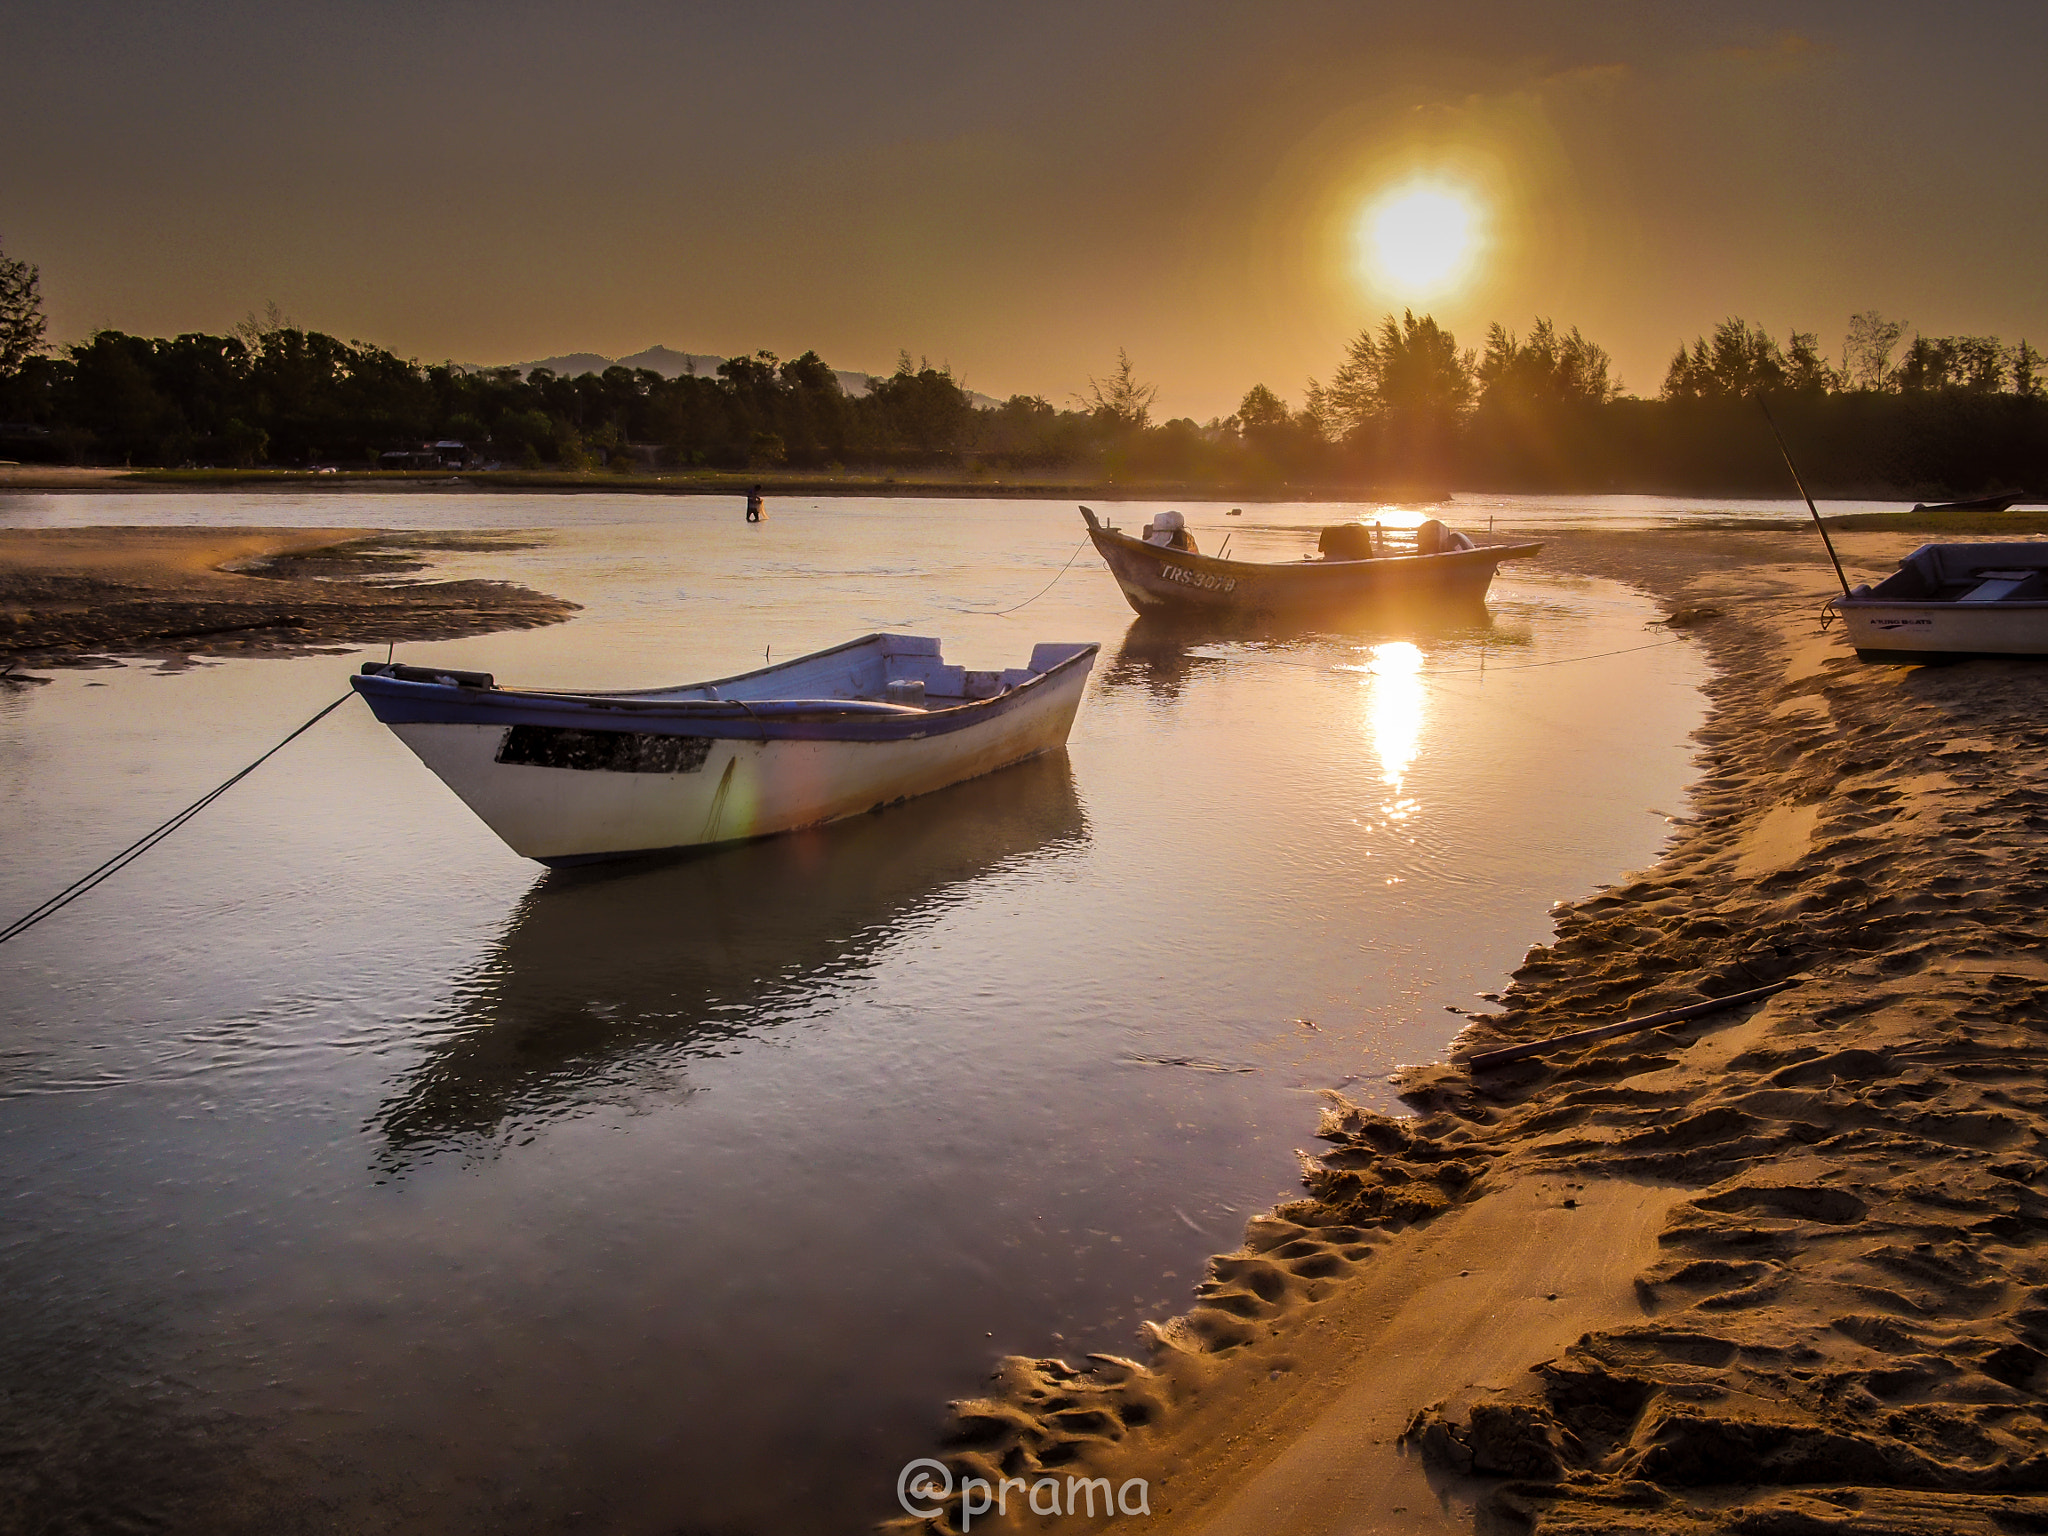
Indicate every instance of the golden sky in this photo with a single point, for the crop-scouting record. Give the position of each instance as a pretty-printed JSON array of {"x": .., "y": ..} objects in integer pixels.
[{"x": 1020, "y": 190}]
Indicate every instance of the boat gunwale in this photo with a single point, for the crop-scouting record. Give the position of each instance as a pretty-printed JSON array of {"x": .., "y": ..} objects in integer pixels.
[
  {"x": 717, "y": 682},
  {"x": 1250, "y": 569},
  {"x": 759, "y": 719},
  {"x": 2020, "y": 554}
]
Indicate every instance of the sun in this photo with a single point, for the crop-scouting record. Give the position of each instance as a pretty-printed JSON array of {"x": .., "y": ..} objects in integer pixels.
[{"x": 1421, "y": 238}]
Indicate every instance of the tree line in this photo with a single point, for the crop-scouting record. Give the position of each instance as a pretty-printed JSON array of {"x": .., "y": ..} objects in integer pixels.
[
  {"x": 1950, "y": 413},
  {"x": 1405, "y": 406},
  {"x": 279, "y": 395}
]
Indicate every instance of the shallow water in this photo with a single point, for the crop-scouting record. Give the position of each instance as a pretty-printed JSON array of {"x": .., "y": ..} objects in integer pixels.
[{"x": 363, "y": 1176}]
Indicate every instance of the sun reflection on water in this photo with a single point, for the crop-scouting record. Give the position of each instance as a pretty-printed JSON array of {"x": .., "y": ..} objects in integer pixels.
[{"x": 1394, "y": 717}]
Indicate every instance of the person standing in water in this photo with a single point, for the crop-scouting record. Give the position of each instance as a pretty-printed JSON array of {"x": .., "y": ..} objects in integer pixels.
[{"x": 754, "y": 512}]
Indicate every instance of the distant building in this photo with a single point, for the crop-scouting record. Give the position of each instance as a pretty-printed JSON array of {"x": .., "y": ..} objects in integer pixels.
[{"x": 446, "y": 454}]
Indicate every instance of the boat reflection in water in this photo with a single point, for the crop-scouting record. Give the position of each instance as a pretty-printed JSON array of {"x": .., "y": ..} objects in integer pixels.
[
  {"x": 610, "y": 981},
  {"x": 1163, "y": 655},
  {"x": 1156, "y": 658}
]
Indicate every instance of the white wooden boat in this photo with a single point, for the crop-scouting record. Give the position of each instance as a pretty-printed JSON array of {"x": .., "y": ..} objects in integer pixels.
[
  {"x": 567, "y": 778},
  {"x": 1953, "y": 600}
]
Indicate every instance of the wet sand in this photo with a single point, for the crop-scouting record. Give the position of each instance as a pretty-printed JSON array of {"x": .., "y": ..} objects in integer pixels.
[
  {"x": 67, "y": 594},
  {"x": 1777, "y": 1270}
]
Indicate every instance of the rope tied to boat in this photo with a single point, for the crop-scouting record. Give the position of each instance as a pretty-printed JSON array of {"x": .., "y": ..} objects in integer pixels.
[
  {"x": 997, "y": 613},
  {"x": 155, "y": 835}
]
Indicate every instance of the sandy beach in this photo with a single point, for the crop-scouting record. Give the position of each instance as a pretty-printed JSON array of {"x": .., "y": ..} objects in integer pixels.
[
  {"x": 1775, "y": 1270},
  {"x": 72, "y": 593}
]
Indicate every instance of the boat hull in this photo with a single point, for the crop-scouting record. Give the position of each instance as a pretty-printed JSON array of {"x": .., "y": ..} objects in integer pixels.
[
  {"x": 1161, "y": 582},
  {"x": 1910, "y": 632},
  {"x": 1949, "y": 602},
  {"x": 571, "y": 780}
]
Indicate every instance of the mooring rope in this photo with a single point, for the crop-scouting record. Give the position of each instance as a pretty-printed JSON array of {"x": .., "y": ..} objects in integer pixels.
[
  {"x": 1529, "y": 666},
  {"x": 1561, "y": 661},
  {"x": 150, "y": 839},
  {"x": 997, "y": 613}
]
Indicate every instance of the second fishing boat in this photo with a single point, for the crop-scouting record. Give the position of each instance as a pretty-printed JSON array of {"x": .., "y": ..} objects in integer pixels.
[{"x": 1357, "y": 569}]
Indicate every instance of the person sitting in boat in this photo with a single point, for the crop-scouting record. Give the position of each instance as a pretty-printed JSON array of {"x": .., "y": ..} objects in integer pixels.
[{"x": 1170, "y": 531}]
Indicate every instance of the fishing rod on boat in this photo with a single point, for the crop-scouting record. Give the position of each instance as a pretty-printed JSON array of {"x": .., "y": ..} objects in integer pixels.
[{"x": 1823, "y": 527}]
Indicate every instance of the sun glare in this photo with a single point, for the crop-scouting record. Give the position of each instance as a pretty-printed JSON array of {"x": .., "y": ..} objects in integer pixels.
[
  {"x": 1393, "y": 713},
  {"x": 1421, "y": 238}
]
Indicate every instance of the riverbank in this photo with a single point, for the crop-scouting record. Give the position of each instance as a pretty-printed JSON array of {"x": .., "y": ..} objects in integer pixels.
[
  {"x": 1774, "y": 1270},
  {"x": 45, "y": 479},
  {"x": 70, "y": 594},
  {"x": 697, "y": 482}
]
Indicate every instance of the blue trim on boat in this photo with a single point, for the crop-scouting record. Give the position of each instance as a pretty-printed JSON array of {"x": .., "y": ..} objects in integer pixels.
[{"x": 397, "y": 701}]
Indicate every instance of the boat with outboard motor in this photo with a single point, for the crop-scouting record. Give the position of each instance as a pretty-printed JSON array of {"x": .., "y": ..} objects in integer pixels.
[
  {"x": 1949, "y": 601},
  {"x": 568, "y": 778},
  {"x": 1357, "y": 567}
]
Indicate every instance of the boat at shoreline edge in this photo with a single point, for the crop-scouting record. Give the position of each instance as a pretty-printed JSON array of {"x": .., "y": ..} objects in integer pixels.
[
  {"x": 570, "y": 778},
  {"x": 1947, "y": 602}
]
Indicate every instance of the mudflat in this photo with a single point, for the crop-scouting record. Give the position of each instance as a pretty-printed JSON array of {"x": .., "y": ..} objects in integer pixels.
[
  {"x": 1780, "y": 1269},
  {"x": 70, "y": 593}
]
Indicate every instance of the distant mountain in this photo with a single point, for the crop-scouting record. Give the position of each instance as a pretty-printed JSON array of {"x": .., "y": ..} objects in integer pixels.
[
  {"x": 671, "y": 364},
  {"x": 667, "y": 362},
  {"x": 569, "y": 366}
]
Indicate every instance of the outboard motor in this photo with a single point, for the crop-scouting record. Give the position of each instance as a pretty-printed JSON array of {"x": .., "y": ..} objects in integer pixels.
[
  {"x": 1346, "y": 541},
  {"x": 1433, "y": 538},
  {"x": 1170, "y": 530}
]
